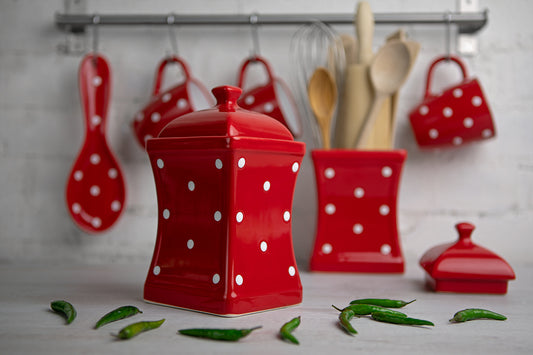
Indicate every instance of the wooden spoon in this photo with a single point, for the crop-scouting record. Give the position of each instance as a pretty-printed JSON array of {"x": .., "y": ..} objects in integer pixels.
[
  {"x": 322, "y": 93},
  {"x": 388, "y": 71}
]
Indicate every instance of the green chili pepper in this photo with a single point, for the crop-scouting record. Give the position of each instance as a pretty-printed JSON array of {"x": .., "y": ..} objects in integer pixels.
[
  {"x": 218, "y": 334},
  {"x": 133, "y": 329},
  {"x": 345, "y": 317},
  {"x": 117, "y": 314},
  {"x": 366, "y": 309},
  {"x": 287, "y": 328},
  {"x": 65, "y": 308},
  {"x": 476, "y": 313},
  {"x": 390, "y": 318},
  {"x": 383, "y": 302}
]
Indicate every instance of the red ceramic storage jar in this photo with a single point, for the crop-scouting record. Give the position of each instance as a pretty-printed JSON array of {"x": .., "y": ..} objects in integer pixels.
[{"x": 225, "y": 181}]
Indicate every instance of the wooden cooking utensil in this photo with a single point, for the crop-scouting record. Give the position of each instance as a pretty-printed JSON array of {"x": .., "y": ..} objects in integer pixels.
[
  {"x": 322, "y": 92},
  {"x": 388, "y": 71},
  {"x": 357, "y": 94}
]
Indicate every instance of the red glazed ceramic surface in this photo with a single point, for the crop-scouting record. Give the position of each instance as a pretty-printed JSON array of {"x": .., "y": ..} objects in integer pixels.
[
  {"x": 185, "y": 97},
  {"x": 95, "y": 190},
  {"x": 458, "y": 115},
  {"x": 466, "y": 267},
  {"x": 225, "y": 180},
  {"x": 273, "y": 98},
  {"x": 356, "y": 222}
]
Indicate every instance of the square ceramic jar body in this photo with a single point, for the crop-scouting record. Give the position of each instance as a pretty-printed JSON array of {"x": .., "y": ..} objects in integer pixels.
[{"x": 224, "y": 242}]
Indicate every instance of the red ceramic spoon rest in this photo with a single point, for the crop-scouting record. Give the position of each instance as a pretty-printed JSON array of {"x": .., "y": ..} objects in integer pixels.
[{"x": 95, "y": 190}]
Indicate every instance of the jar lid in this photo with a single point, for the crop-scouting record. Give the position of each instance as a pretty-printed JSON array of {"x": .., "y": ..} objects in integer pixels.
[
  {"x": 465, "y": 260},
  {"x": 226, "y": 119}
]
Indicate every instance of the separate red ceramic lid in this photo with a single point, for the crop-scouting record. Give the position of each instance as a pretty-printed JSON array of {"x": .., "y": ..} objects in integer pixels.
[
  {"x": 226, "y": 119},
  {"x": 464, "y": 266}
]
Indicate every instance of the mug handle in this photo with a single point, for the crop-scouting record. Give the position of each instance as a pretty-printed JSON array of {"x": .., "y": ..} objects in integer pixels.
[
  {"x": 453, "y": 58},
  {"x": 161, "y": 69},
  {"x": 254, "y": 59}
]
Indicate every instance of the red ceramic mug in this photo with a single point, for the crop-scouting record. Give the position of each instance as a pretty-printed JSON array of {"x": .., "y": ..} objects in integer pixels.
[
  {"x": 458, "y": 115},
  {"x": 273, "y": 98},
  {"x": 187, "y": 96}
]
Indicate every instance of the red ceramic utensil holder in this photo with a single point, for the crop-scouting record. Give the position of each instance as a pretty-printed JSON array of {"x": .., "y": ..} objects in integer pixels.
[
  {"x": 458, "y": 115},
  {"x": 465, "y": 267},
  {"x": 356, "y": 222},
  {"x": 225, "y": 179},
  {"x": 95, "y": 192},
  {"x": 185, "y": 97},
  {"x": 273, "y": 98}
]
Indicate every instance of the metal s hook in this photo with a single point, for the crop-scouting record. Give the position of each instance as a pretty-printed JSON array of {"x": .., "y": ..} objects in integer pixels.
[
  {"x": 255, "y": 35},
  {"x": 448, "y": 18},
  {"x": 96, "y": 22},
  {"x": 172, "y": 35}
]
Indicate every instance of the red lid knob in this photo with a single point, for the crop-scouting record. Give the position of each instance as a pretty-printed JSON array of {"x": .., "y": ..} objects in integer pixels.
[
  {"x": 465, "y": 230},
  {"x": 227, "y": 97}
]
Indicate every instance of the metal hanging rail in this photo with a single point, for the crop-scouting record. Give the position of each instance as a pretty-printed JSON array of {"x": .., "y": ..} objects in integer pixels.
[{"x": 466, "y": 22}]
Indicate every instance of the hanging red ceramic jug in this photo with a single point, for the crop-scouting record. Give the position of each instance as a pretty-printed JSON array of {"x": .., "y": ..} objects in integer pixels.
[
  {"x": 458, "y": 115},
  {"x": 188, "y": 96}
]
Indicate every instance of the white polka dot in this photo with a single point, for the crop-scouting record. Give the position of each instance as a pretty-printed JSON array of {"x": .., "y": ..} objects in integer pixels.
[
  {"x": 155, "y": 117},
  {"x": 182, "y": 104},
  {"x": 457, "y": 92},
  {"x": 292, "y": 271},
  {"x": 447, "y": 112},
  {"x": 241, "y": 163},
  {"x": 286, "y": 216},
  {"x": 147, "y": 137},
  {"x": 190, "y": 244},
  {"x": 250, "y": 99},
  {"x": 166, "y": 97},
  {"x": 385, "y": 249},
  {"x": 486, "y": 133},
  {"x": 386, "y": 171},
  {"x": 218, "y": 164},
  {"x": 78, "y": 175},
  {"x": 166, "y": 213},
  {"x": 97, "y": 81},
  {"x": 423, "y": 110},
  {"x": 330, "y": 209},
  {"x": 263, "y": 246},
  {"x": 359, "y": 192},
  {"x": 156, "y": 270},
  {"x": 295, "y": 167},
  {"x": 216, "y": 279},
  {"x": 477, "y": 101},
  {"x": 191, "y": 185},
  {"x": 268, "y": 107},
  {"x": 95, "y": 159},
  {"x": 217, "y": 216},
  {"x": 96, "y": 222},
  {"x": 329, "y": 173},
  {"x": 139, "y": 116},
  {"x": 160, "y": 163},
  {"x": 76, "y": 208},
  {"x": 468, "y": 122},
  {"x": 457, "y": 140},
  {"x": 115, "y": 206},
  {"x": 327, "y": 248},
  {"x": 357, "y": 228},
  {"x": 433, "y": 133},
  {"x": 94, "y": 190},
  {"x": 239, "y": 217},
  {"x": 266, "y": 185},
  {"x": 112, "y": 173},
  {"x": 239, "y": 280},
  {"x": 96, "y": 120},
  {"x": 384, "y": 210}
]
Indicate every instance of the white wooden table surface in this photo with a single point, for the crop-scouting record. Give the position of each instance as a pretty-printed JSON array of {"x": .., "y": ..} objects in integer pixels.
[{"x": 28, "y": 327}]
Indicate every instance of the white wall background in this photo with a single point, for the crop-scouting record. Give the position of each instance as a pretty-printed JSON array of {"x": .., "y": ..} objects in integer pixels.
[{"x": 41, "y": 126}]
